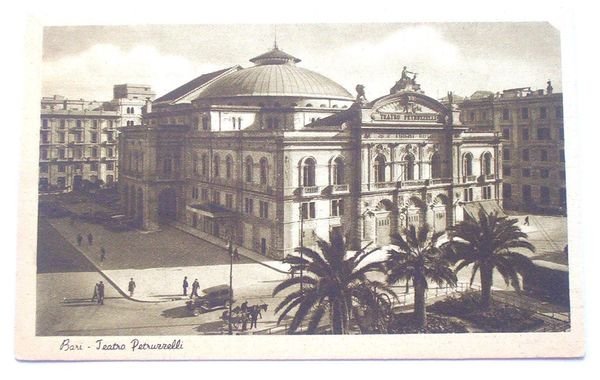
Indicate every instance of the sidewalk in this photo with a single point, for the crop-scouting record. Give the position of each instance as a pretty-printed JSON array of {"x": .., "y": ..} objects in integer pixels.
[{"x": 158, "y": 261}]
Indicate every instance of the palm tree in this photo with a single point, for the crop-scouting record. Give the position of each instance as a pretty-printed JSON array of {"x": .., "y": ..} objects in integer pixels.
[
  {"x": 418, "y": 259},
  {"x": 330, "y": 282},
  {"x": 488, "y": 244}
]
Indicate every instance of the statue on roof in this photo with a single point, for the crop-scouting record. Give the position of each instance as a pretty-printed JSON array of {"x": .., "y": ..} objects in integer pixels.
[
  {"x": 406, "y": 82},
  {"x": 361, "y": 98}
]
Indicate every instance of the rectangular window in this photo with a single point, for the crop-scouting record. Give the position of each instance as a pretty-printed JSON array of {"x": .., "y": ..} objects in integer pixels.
[
  {"x": 543, "y": 133},
  {"x": 506, "y": 154},
  {"x": 526, "y": 192},
  {"x": 544, "y": 173},
  {"x": 543, "y": 114},
  {"x": 506, "y": 171},
  {"x": 525, "y": 134},
  {"x": 308, "y": 210},
  {"x": 525, "y": 155},
  {"x": 61, "y": 153},
  {"x": 94, "y": 166},
  {"x": 487, "y": 192},
  {"x": 61, "y": 137},
  {"x": 110, "y": 166},
  {"x": 484, "y": 115},
  {"x": 337, "y": 207},
  {"x": 561, "y": 155},
  {"x": 526, "y": 172},
  {"x": 561, "y": 133},
  {"x": 229, "y": 201},
  {"x": 507, "y": 191},
  {"x": 43, "y": 168},
  {"x": 78, "y": 153},
  {"x": 44, "y": 154},
  {"x": 468, "y": 195},
  {"x": 216, "y": 197},
  {"x": 249, "y": 207},
  {"x": 559, "y": 112},
  {"x": 44, "y": 123},
  {"x": 562, "y": 196},
  {"x": 62, "y": 124},
  {"x": 544, "y": 155},
  {"x": 61, "y": 168},
  {"x": 93, "y": 137},
  {"x": 94, "y": 152},
  {"x": 204, "y": 195},
  {"x": 45, "y": 139},
  {"x": 524, "y": 113},
  {"x": 544, "y": 195},
  {"x": 506, "y": 133},
  {"x": 194, "y": 193},
  {"x": 505, "y": 114},
  {"x": 471, "y": 116},
  {"x": 264, "y": 209},
  {"x": 79, "y": 124}
]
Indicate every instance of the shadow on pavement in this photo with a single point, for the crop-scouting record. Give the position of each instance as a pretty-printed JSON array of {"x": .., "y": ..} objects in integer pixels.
[
  {"x": 177, "y": 312},
  {"x": 210, "y": 327}
]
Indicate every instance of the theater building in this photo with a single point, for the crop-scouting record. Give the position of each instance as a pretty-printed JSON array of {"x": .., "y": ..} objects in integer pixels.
[{"x": 274, "y": 155}]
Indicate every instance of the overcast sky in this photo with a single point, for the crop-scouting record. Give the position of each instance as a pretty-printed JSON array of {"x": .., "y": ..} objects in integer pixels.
[{"x": 85, "y": 62}]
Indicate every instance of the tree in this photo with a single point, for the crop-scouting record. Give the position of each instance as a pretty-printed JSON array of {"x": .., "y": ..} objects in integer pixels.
[
  {"x": 488, "y": 244},
  {"x": 329, "y": 284},
  {"x": 418, "y": 259}
]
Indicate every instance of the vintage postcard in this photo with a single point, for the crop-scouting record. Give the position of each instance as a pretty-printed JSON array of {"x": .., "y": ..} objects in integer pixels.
[{"x": 298, "y": 191}]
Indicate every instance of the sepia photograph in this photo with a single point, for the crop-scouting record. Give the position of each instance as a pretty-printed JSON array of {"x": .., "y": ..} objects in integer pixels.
[{"x": 232, "y": 183}]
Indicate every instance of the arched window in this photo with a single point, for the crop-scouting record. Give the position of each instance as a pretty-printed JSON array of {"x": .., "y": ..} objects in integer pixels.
[
  {"x": 308, "y": 172},
  {"x": 337, "y": 171},
  {"x": 436, "y": 166},
  {"x": 380, "y": 169},
  {"x": 487, "y": 163},
  {"x": 468, "y": 164},
  {"x": 263, "y": 171},
  {"x": 409, "y": 171},
  {"x": 216, "y": 166},
  {"x": 204, "y": 165},
  {"x": 249, "y": 169},
  {"x": 228, "y": 167}
]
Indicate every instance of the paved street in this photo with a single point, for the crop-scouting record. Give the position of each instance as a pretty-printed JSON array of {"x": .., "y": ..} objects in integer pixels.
[{"x": 66, "y": 279}]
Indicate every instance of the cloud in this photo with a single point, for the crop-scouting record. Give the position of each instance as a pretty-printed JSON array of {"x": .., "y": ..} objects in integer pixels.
[{"x": 92, "y": 73}]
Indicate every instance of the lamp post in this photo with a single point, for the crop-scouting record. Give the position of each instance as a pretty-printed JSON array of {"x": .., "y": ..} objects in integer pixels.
[
  {"x": 301, "y": 248},
  {"x": 230, "y": 249}
]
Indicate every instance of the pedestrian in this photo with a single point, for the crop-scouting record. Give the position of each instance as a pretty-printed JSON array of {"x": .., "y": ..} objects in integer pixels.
[
  {"x": 95, "y": 296},
  {"x": 102, "y": 254},
  {"x": 195, "y": 286},
  {"x": 526, "y": 223},
  {"x": 90, "y": 238},
  {"x": 79, "y": 239},
  {"x": 236, "y": 255},
  {"x": 185, "y": 285},
  {"x": 254, "y": 312},
  {"x": 101, "y": 293},
  {"x": 131, "y": 287}
]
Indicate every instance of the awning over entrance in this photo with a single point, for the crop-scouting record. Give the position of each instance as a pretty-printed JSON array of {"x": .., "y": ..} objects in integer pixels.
[
  {"x": 211, "y": 210},
  {"x": 488, "y": 206}
]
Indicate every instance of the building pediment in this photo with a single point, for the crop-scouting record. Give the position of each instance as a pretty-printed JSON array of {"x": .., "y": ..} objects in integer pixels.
[{"x": 407, "y": 107}]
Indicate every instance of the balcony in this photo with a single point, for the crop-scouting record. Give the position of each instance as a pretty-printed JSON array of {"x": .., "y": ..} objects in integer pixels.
[
  {"x": 490, "y": 177},
  {"x": 439, "y": 181},
  {"x": 309, "y": 191},
  {"x": 414, "y": 183},
  {"x": 340, "y": 189},
  {"x": 469, "y": 178},
  {"x": 385, "y": 185}
]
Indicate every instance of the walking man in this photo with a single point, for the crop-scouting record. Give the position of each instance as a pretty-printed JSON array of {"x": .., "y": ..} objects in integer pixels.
[
  {"x": 90, "y": 238},
  {"x": 131, "y": 287},
  {"x": 79, "y": 239},
  {"x": 195, "y": 286},
  {"x": 236, "y": 255},
  {"x": 254, "y": 312},
  {"x": 102, "y": 254},
  {"x": 101, "y": 293},
  {"x": 95, "y": 296},
  {"x": 185, "y": 285},
  {"x": 526, "y": 223}
]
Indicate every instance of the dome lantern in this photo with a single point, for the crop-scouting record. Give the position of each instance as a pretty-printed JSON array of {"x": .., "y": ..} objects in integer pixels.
[{"x": 275, "y": 57}]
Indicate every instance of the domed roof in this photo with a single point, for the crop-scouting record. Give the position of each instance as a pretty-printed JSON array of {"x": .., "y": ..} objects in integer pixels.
[{"x": 275, "y": 74}]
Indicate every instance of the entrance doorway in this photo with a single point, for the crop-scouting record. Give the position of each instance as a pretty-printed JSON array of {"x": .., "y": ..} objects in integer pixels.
[
  {"x": 77, "y": 182},
  {"x": 167, "y": 206},
  {"x": 263, "y": 246}
]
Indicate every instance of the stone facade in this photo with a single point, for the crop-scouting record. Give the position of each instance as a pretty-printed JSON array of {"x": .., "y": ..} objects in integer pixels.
[
  {"x": 272, "y": 171},
  {"x": 531, "y": 125}
]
